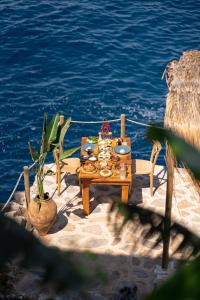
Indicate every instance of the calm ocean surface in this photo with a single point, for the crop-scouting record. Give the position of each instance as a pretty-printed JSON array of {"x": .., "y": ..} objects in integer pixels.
[{"x": 89, "y": 60}]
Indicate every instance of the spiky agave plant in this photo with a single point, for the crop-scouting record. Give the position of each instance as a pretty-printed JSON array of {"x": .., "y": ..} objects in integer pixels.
[{"x": 52, "y": 137}]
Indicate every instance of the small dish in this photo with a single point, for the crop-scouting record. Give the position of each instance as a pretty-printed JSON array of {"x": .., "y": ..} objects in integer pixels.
[
  {"x": 92, "y": 158},
  {"x": 105, "y": 173},
  {"x": 122, "y": 150},
  {"x": 88, "y": 168},
  {"x": 85, "y": 157},
  {"x": 115, "y": 158},
  {"x": 88, "y": 146}
]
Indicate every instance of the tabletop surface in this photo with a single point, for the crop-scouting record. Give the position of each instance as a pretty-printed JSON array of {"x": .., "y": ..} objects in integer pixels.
[{"x": 115, "y": 178}]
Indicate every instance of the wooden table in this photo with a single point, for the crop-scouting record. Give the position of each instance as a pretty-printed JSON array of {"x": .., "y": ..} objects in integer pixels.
[{"x": 86, "y": 179}]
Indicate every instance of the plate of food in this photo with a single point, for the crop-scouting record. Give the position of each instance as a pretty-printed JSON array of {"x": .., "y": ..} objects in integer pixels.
[
  {"x": 88, "y": 146},
  {"x": 89, "y": 168},
  {"x": 105, "y": 173},
  {"x": 122, "y": 149},
  {"x": 115, "y": 158}
]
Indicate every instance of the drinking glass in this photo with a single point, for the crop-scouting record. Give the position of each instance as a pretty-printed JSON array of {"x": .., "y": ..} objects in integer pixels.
[
  {"x": 95, "y": 151},
  {"x": 122, "y": 171}
]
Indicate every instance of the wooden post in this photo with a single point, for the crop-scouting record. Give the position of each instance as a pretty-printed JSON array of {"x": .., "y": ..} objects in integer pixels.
[
  {"x": 168, "y": 206},
  {"x": 62, "y": 121},
  {"x": 123, "y": 125},
  {"x": 27, "y": 186},
  {"x": 58, "y": 171}
]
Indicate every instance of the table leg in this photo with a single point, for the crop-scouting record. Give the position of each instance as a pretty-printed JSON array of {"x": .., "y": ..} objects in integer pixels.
[
  {"x": 130, "y": 186},
  {"x": 80, "y": 185},
  {"x": 125, "y": 190},
  {"x": 85, "y": 197}
]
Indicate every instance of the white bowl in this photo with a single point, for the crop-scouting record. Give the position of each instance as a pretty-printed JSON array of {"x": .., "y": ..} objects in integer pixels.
[
  {"x": 92, "y": 158},
  {"x": 122, "y": 151}
]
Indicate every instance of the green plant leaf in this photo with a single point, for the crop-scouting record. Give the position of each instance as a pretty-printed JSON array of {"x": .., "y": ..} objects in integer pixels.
[
  {"x": 34, "y": 154},
  {"x": 181, "y": 149},
  {"x": 45, "y": 122},
  {"x": 43, "y": 156},
  {"x": 64, "y": 129},
  {"x": 44, "y": 135},
  {"x": 52, "y": 129},
  {"x": 56, "y": 142},
  {"x": 68, "y": 153},
  {"x": 61, "y": 131}
]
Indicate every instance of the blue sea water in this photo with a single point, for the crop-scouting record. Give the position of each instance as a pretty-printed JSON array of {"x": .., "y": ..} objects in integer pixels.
[{"x": 89, "y": 60}]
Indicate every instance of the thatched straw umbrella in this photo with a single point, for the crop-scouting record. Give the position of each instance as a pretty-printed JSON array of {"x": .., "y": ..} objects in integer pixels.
[
  {"x": 183, "y": 99},
  {"x": 182, "y": 115}
]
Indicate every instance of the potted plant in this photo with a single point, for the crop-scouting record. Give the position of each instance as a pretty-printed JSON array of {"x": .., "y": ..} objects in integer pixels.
[{"x": 42, "y": 210}]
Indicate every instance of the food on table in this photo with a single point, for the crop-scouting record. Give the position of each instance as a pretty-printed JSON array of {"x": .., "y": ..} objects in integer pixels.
[
  {"x": 117, "y": 168},
  {"x": 115, "y": 158},
  {"x": 109, "y": 165},
  {"x": 93, "y": 158},
  {"x": 114, "y": 143},
  {"x": 97, "y": 165},
  {"x": 105, "y": 142},
  {"x": 92, "y": 139},
  {"x": 105, "y": 149},
  {"x": 122, "y": 151},
  {"x": 104, "y": 154},
  {"x": 102, "y": 164},
  {"x": 105, "y": 172},
  {"x": 89, "y": 168},
  {"x": 96, "y": 151},
  {"x": 88, "y": 146}
]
